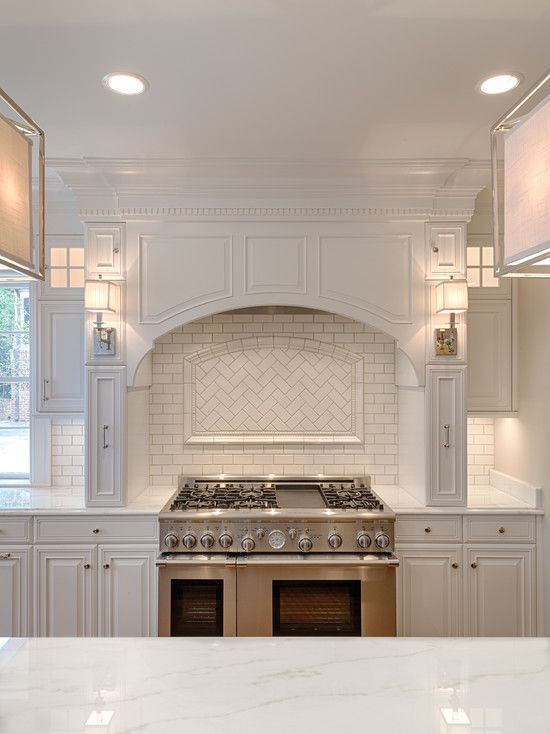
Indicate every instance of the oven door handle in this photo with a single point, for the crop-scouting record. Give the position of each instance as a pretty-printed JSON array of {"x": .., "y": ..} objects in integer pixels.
[
  {"x": 192, "y": 561},
  {"x": 386, "y": 561}
]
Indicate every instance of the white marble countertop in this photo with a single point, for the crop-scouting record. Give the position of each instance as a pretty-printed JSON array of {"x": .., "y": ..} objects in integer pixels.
[{"x": 268, "y": 685}]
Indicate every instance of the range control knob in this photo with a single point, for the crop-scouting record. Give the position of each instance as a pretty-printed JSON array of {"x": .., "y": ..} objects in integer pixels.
[
  {"x": 382, "y": 540},
  {"x": 248, "y": 544},
  {"x": 225, "y": 540},
  {"x": 189, "y": 540},
  {"x": 305, "y": 544},
  {"x": 260, "y": 533},
  {"x": 335, "y": 540},
  {"x": 364, "y": 540},
  {"x": 171, "y": 540},
  {"x": 207, "y": 540}
]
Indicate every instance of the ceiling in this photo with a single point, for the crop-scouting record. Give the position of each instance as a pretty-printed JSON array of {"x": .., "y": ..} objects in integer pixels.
[{"x": 279, "y": 79}]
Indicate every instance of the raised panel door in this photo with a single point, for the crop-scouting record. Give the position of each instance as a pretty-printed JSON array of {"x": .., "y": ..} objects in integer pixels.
[
  {"x": 15, "y": 597},
  {"x": 429, "y": 591}
]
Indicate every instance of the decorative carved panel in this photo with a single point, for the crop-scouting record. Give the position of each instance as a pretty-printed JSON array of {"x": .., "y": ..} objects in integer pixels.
[
  {"x": 273, "y": 389},
  {"x": 169, "y": 270},
  {"x": 275, "y": 264},
  {"x": 381, "y": 278}
]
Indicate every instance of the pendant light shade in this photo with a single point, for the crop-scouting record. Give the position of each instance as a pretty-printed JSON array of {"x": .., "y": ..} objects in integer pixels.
[{"x": 451, "y": 296}]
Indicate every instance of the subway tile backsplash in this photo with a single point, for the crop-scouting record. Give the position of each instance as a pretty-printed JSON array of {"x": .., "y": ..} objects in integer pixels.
[
  {"x": 375, "y": 455},
  {"x": 481, "y": 449}
]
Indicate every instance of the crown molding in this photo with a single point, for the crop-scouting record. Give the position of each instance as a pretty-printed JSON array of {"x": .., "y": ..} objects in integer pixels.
[{"x": 191, "y": 188}]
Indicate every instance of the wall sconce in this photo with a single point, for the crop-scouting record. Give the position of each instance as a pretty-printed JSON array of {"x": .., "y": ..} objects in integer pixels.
[
  {"x": 99, "y": 296},
  {"x": 451, "y": 296}
]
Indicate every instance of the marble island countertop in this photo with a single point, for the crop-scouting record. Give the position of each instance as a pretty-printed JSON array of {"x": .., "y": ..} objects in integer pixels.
[{"x": 268, "y": 685}]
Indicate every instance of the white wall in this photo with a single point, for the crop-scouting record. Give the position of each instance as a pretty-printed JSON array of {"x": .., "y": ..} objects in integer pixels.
[{"x": 522, "y": 444}]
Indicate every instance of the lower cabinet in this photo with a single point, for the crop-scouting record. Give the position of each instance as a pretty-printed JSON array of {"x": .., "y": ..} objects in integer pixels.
[
  {"x": 429, "y": 592},
  {"x": 15, "y": 588},
  {"x": 472, "y": 590},
  {"x": 127, "y": 591},
  {"x": 499, "y": 591},
  {"x": 81, "y": 590},
  {"x": 65, "y": 593}
]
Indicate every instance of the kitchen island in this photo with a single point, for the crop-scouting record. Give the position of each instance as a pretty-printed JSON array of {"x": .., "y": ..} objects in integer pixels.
[{"x": 402, "y": 686}]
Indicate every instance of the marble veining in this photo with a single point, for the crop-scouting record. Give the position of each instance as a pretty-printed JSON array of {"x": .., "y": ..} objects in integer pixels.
[{"x": 240, "y": 685}]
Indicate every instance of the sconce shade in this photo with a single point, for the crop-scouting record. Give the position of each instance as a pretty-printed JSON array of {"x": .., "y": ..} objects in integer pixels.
[
  {"x": 451, "y": 296},
  {"x": 99, "y": 296}
]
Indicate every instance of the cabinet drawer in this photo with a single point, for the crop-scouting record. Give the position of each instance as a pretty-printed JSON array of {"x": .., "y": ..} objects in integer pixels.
[
  {"x": 503, "y": 528},
  {"x": 15, "y": 530},
  {"x": 96, "y": 528},
  {"x": 428, "y": 529}
]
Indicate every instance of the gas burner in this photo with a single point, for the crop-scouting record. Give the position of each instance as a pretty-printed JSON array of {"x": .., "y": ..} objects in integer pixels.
[{"x": 250, "y": 494}]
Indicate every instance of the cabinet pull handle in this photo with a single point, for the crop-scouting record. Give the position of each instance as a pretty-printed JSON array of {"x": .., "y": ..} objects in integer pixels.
[
  {"x": 95, "y": 531},
  {"x": 447, "y": 427},
  {"x": 454, "y": 565},
  {"x": 427, "y": 530},
  {"x": 5, "y": 556},
  {"x": 87, "y": 566},
  {"x": 106, "y": 566},
  {"x": 473, "y": 565},
  {"x": 105, "y": 429},
  {"x": 502, "y": 530},
  {"x": 44, "y": 396}
]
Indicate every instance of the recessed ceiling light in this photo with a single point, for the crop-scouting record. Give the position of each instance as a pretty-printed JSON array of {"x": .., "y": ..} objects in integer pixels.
[
  {"x": 122, "y": 82},
  {"x": 500, "y": 83}
]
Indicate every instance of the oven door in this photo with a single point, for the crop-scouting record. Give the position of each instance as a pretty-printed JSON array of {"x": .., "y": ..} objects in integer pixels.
[
  {"x": 197, "y": 596},
  {"x": 321, "y": 594}
]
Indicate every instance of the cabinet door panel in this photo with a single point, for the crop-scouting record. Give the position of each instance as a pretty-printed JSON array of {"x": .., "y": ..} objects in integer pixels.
[
  {"x": 446, "y": 253},
  {"x": 65, "y": 591},
  {"x": 446, "y": 436},
  {"x": 61, "y": 357},
  {"x": 127, "y": 591},
  {"x": 490, "y": 356},
  {"x": 104, "y": 437},
  {"x": 500, "y": 591},
  {"x": 429, "y": 586},
  {"x": 104, "y": 251},
  {"x": 15, "y": 592}
]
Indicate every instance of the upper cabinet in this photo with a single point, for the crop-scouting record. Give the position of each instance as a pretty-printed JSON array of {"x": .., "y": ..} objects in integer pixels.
[
  {"x": 64, "y": 268},
  {"x": 446, "y": 250},
  {"x": 104, "y": 251},
  {"x": 60, "y": 362}
]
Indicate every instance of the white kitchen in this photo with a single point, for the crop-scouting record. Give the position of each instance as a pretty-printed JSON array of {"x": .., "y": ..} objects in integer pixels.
[{"x": 273, "y": 366}]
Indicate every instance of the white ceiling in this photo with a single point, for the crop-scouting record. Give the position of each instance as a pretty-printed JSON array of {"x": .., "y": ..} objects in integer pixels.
[{"x": 284, "y": 79}]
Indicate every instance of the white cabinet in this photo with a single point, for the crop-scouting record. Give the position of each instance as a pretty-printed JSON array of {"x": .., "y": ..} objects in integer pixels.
[
  {"x": 65, "y": 591},
  {"x": 446, "y": 435},
  {"x": 429, "y": 590},
  {"x": 446, "y": 250},
  {"x": 15, "y": 596},
  {"x": 60, "y": 373},
  {"x": 105, "y": 444},
  {"x": 104, "y": 251},
  {"x": 499, "y": 591},
  {"x": 491, "y": 354},
  {"x": 127, "y": 591}
]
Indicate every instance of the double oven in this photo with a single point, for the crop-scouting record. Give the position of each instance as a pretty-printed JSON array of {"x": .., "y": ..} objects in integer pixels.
[
  {"x": 274, "y": 595},
  {"x": 276, "y": 558}
]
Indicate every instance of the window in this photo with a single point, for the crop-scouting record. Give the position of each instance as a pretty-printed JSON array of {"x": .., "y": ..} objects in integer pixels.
[
  {"x": 14, "y": 381},
  {"x": 479, "y": 266},
  {"x": 66, "y": 267}
]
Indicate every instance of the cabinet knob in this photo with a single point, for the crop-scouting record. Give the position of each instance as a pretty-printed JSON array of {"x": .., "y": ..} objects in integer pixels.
[
  {"x": 435, "y": 248},
  {"x": 87, "y": 566},
  {"x": 95, "y": 531},
  {"x": 106, "y": 566},
  {"x": 502, "y": 530},
  {"x": 454, "y": 565},
  {"x": 427, "y": 530},
  {"x": 473, "y": 565}
]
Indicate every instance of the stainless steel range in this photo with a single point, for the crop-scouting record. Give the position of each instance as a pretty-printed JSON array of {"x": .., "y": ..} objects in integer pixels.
[{"x": 265, "y": 556}]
